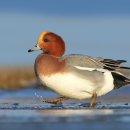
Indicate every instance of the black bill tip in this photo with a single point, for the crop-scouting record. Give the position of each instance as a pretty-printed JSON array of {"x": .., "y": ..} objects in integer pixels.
[{"x": 30, "y": 50}]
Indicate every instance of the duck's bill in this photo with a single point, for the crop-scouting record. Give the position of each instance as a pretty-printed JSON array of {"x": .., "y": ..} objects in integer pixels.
[{"x": 34, "y": 48}]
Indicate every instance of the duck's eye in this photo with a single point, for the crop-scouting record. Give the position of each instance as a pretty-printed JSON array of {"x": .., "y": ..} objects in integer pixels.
[{"x": 46, "y": 40}]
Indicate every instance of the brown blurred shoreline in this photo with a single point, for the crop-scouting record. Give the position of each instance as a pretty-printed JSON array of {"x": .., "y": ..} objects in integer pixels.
[{"x": 14, "y": 77}]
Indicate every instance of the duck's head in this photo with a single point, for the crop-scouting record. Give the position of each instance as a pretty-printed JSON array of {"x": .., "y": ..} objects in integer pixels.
[{"x": 50, "y": 43}]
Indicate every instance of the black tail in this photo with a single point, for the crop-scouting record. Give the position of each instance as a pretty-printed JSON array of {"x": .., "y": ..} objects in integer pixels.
[{"x": 119, "y": 80}]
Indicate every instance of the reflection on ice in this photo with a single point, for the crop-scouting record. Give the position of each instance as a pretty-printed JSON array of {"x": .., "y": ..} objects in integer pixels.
[{"x": 83, "y": 112}]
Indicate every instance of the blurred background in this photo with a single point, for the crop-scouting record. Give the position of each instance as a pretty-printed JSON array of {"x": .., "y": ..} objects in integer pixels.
[{"x": 99, "y": 28}]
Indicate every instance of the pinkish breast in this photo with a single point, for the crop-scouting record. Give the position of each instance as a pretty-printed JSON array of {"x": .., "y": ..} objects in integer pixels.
[{"x": 47, "y": 65}]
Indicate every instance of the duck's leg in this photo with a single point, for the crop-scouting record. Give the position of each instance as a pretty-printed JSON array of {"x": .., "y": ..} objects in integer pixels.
[
  {"x": 56, "y": 100},
  {"x": 93, "y": 99}
]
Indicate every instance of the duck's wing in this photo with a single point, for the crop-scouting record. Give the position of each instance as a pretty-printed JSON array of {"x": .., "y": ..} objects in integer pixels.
[
  {"x": 111, "y": 64},
  {"x": 85, "y": 61},
  {"x": 93, "y": 62},
  {"x": 95, "y": 68},
  {"x": 82, "y": 61}
]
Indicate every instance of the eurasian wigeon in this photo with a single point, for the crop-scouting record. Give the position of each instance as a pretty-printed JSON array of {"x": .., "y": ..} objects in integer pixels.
[{"x": 76, "y": 76}]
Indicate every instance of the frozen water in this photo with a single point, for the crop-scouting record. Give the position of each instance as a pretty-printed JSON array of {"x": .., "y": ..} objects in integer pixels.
[{"x": 26, "y": 106}]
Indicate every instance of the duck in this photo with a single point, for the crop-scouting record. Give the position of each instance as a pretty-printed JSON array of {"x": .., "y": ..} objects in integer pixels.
[{"x": 76, "y": 76}]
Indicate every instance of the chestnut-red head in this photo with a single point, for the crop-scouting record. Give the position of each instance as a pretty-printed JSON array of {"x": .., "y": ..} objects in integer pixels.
[{"x": 50, "y": 43}]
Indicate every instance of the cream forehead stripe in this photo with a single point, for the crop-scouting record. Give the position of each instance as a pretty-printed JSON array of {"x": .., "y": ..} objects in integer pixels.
[{"x": 42, "y": 34}]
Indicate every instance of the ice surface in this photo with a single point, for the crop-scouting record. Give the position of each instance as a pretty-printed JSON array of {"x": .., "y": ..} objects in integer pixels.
[{"x": 26, "y": 106}]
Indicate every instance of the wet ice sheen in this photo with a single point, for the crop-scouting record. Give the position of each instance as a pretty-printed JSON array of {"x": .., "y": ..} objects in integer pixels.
[{"x": 26, "y": 106}]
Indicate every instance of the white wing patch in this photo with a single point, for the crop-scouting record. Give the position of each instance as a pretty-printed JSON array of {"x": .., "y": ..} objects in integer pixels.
[
  {"x": 91, "y": 69},
  {"x": 84, "y": 68}
]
